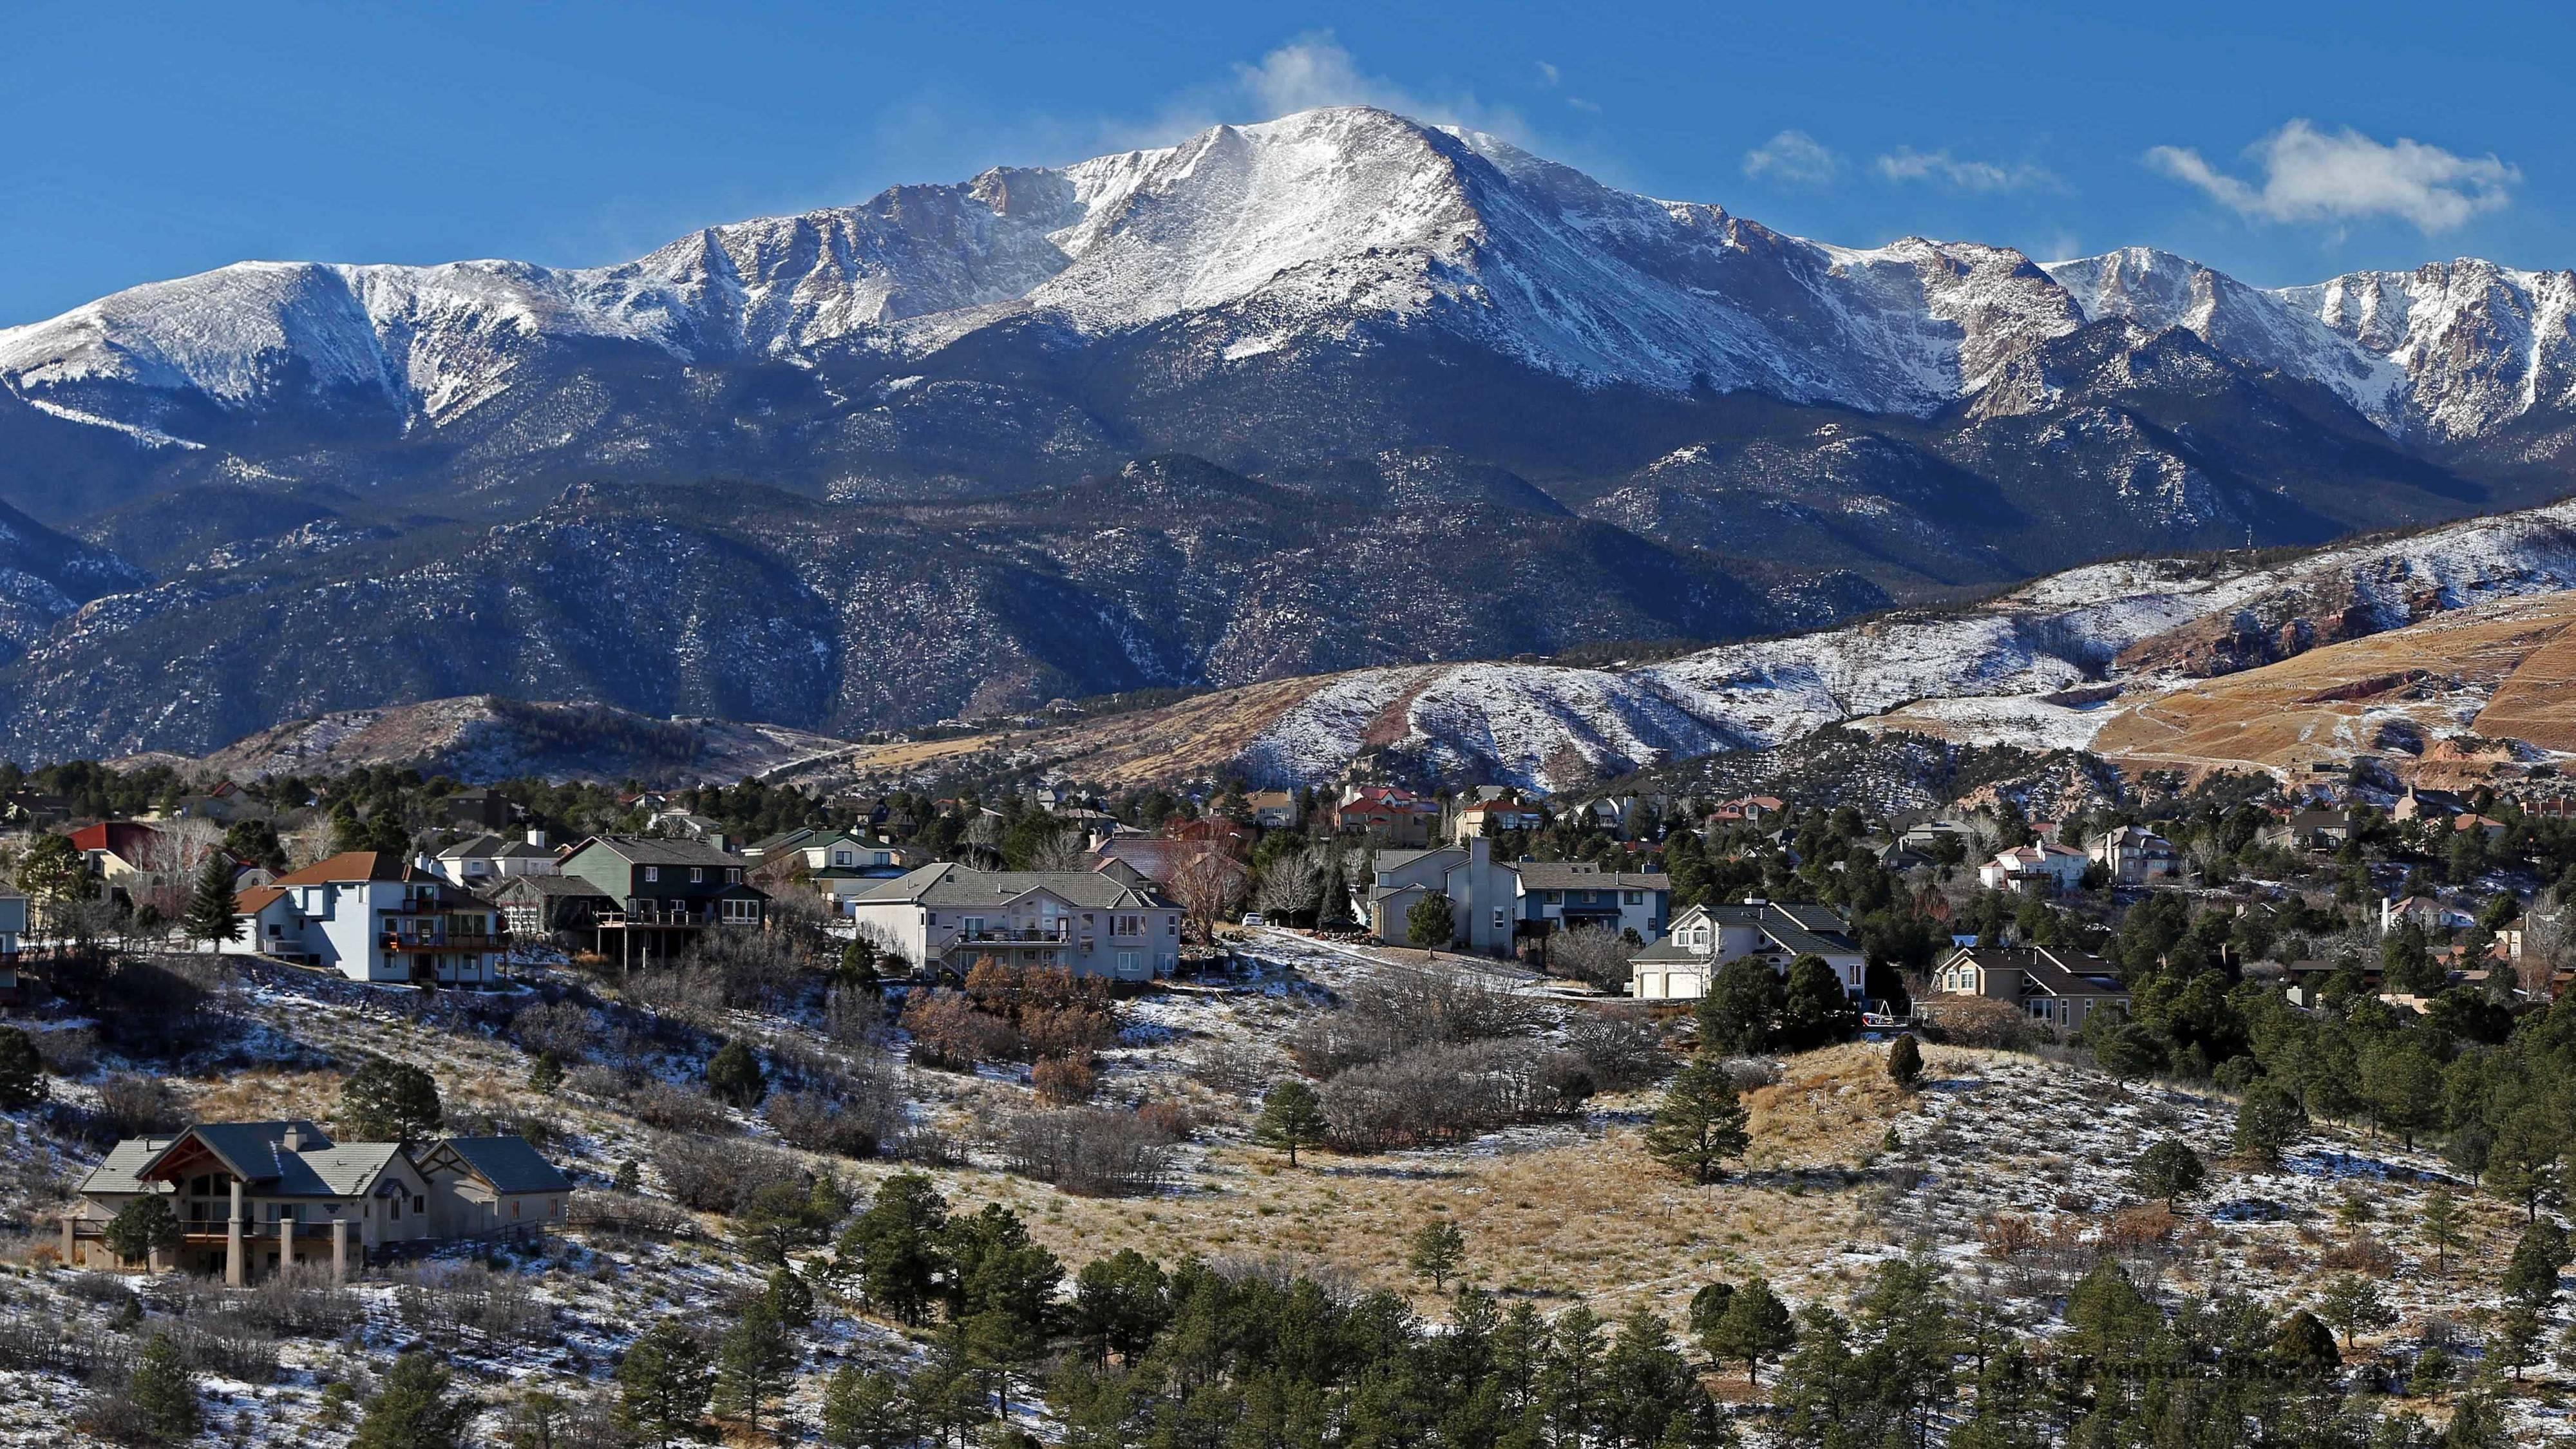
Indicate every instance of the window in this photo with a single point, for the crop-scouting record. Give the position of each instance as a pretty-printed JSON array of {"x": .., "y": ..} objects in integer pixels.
[
  {"x": 653, "y": 872},
  {"x": 840, "y": 857},
  {"x": 974, "y": 926},
  {"x": 733, "y": 876},
  {"x": 1126, "y": 925},
  {"x": 419, "y": 1204},
  {"x": 1635, "y": 898},
  {"x": 697, "y": 875},
  {"x": 742, "y": 913}
]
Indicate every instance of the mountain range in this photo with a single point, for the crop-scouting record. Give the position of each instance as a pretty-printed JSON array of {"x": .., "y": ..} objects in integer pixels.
[{"x": 1334, "y": 391}]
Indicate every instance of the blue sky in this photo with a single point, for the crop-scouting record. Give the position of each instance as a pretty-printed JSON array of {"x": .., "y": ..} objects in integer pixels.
[{"x": 2280, "y": 142}]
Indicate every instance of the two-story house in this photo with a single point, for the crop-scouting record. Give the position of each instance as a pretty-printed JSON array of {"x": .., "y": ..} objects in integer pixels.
[
  {"x": 370, "y": 917},
  {"x": 2043, "y": 868},
  {"x": 1564, "y": 895},
  {"x": 1704, "y": 938},
  {"x": 1484, "y": 895},
  {"x": 1490, "y": 818},
  {"x": 1092, "y": 923},
  {"x": 13, "y": 930},
  {"x": 1398, "y": 817},
  {"x": 483, "y": 862},
  {"x": 2134, "y": 855},
  {"x": 253, "y": 1198},
  {"x": 651, "y": 897},
  {"x": 2057, "y": 986}
]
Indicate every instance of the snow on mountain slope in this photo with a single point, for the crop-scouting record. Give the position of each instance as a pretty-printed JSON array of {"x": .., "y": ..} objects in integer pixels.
[
  {"x": 1312, "y": 227},
  {"x": 2008, "y": 671}
]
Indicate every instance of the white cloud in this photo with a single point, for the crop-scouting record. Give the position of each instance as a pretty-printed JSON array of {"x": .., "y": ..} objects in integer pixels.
[
  {"x": 2310, "y": 175},
  {"x": 1907, "y": 164},
  {"x": 1314, "y": 71},
  {"x": 1549, "y": 75},
  {"x": 1589, "y": 108},
  {"x": 1794, "y": 157}
]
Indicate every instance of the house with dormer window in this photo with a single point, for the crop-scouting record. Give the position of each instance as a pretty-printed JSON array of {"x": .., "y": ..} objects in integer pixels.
[
  {"x": 370, "y": 917},
  {"x": 1092, "y": 923},
  {"x": 1705, "y": 938}
]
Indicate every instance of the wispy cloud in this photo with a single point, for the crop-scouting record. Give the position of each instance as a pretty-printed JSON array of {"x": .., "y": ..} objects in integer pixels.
[
  {"x": 1314, "y": 70},
  {"x": 1549, "y": 75},
  {"x": 2311, "y": 175},
  {"x": 1943, "y": 169},
  {"x": 1793, "y": 157}
]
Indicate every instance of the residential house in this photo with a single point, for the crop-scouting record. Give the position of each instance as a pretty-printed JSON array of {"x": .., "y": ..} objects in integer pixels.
[
  {"x": 1934, "y": 837},
  {"x": 13, "y": 929},
  {"x": 1272, "y": 809},
  {"x": 1562, "y": 895},
  {"x": 946, "y": 916},
  {"x": 2418, "y": 804},
  {"x": 539, "y": 906},
  {"x": 119, "y": 849},
  {"x": 1746, "y": 810},
  {"x": 1484, "y": 895},
  {"x": 253, "y": 1198},
  {"x": 1398, "y": 817},
  {"x": 2313, "y": 827},
  {"x": 662, "y": 894},
  {"x": 2055, "y": 985},
  {"x": 834, "y": 864},
  {"x": 1611, "y": 814},
  {"x": 2425, "y": 912},
  {"x": 482, "y": 862},
  {"x": 1705, "y": 938},
  {"x": 370, "y": 917},
  {"x": 1489, "y": 818},
  {"x": 2486, "y": 825},
  {"x": 32, "y": 810},
  {"x": 2046, "y": 868},
  {"x": 2133, "y": 855},
  {"x": 479, "y": 808}
]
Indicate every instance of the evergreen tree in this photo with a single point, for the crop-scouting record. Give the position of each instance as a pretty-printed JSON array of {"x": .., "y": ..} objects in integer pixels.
[
  {"x": 1756, "y": 1325},
  {"x": 414, "y": 1409},
  {"x": 1119, "y": 1304},
  {"x": 1291, "y": 1117},
  {"x": 2269, "y": 1122},
  {"x": 22, "y": 1070},
  {"x": 896, "y": 1244},
  {"x": 389, "y": 1101},
  {"x": 1737, "y": 1012},
  {"x": 2169, "y": 1170},
  {"x": 1432, "y": 923},
  {"x": 2352, "y": 1303},
  {"x": 143, "y": 1226},
  {"x": 1701, "y": 1122},
  {"x": 1646, "y": 1386},
  {"x": 211, "y": 916},
  {"x": 864, "y": 1410},
  {"x": 2531, "y": 1275},
  {"x": 734, "y": 1074},
  {"x": 628, "y": 1178},
  {"x": 663, "y": 1383},
  {"x": 753, "y": 1360},
  {"x": 545, "y": 1073},
  {"x": 164, "y": 1393},
  {"x": 2444, "y": 1227},
  {"x": 1436, "y": 1250},
  {"x": 2305, "y": 1348},
  {"x": 1815, "y": 1010},
  {"x": 1905, "y": 1062}
]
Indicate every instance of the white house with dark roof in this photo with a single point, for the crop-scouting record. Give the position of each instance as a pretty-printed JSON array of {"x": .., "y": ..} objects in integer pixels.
[
  {"x": 370, "y": 917},
  {"x": 1704, "y": 938},
  {"x": 254, "y": 1197},
  {"x": 1563, "y": 895},
  {"x": 1091, "y": 923},
  {"x": 479, "y": 862}
]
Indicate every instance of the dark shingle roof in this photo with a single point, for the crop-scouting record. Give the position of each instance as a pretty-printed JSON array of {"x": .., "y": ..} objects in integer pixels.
[
  {"x": 653, "y": 850},
  {"x": 509, "y": 1164},
  {"x": 1568, "y": 875},
  {"x": 947, "y": 884}
]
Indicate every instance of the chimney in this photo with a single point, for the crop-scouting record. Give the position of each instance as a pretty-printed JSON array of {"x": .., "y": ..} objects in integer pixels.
[
  {"x": 293, "y": 1141},
  {"x": 536, "y": 837}
]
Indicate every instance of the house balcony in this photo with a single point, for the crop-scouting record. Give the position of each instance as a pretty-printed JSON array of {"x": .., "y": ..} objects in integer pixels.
[
  {"x": 666, "y": 920},
  {"x": 1013, "y": 938},
  {"x": 496, "y": 941}
]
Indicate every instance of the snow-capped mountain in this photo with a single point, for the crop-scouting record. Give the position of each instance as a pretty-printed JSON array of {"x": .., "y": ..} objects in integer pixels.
[{"x": 1312, "y": 228}]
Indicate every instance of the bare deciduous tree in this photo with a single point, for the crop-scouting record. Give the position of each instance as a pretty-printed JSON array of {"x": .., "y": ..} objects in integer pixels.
[
  {"x": 1294, "y": 884},
  {"x": 1595, "y": 954},
  {"x": 1208, "y": 882},
  {"x": 1067, "y": 849}
]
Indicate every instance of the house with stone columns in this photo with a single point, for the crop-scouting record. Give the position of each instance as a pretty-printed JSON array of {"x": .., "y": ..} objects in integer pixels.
[{"x": 255, "y": 1197}]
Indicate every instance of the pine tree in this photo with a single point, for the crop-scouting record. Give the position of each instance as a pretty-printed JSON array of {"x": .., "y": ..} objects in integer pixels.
[
  {"x": 628, "y": 1178},
  {"x": 2352, "y": 1303},
  {"x": 2269, "y": 1122},
  {"x": 1432, "y": 923},
  {"x": 1905, "y": 1062},
  {"x": 2444, "y": 1227},
  {"x": 545, "y": 1073},
  {"x": 1436, "y": 1251},
  {"x": 753, "y": 1361},
  {"x": 1701, "y": 1123},
  {"x": 22, "y": 1070},
  {"x": 389, "y": 1101},
  {"x": 413, "y": 1410},
  {"x": 1756, "y": 1325},
  {"x": 211, "y": 916},
  {"x": 663, "y": 1383},
  {"x": 144, "y": 1225},
  {"x": 1291, "y": 1117},
  {"x": 164, "y": 1393},
  {"x": 1738, "y": 1011},
  {"x": 2169, "y": 1170},
  {"x": 734, "y": 1074},
  {"x": 863, "y": 1410},
  {"x": 2531, "y": 1275}
]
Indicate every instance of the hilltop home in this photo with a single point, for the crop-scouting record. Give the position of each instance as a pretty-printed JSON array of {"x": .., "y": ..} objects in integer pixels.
[
  {"x": 2055, "y": 985},
  {"x": 660, "y": 895},
  {"x": 2133, "y": 855},
  {"x": 13, "y": 926},
  {"x": 480, "y": 862},
  {"x": 1705, "y": 938},
  {"x": 370, "y": 917},
  {"x": 256, "y": 1197},
  {"x": 1087, "y": 922},
  {"x": 1399, "y": 817},
  {"x": 1492, "y": 817},
  {"x": 1562, "y": 895},
  {"x": 1272, "y": 809},
  {"x": 1484, "y": 895},
  {"x": 2043, "y": 868}
]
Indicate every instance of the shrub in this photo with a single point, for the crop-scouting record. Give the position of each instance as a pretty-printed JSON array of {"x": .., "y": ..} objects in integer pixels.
[
  {"x": 1062, "y": 1081},
  {"x": 1088, "y": 1151},
  {"x": 948, "y": 1031},
  {"x": 22, "y": 1070},
  {"x": 1976, "y": 1021},
  {"x": 454, "y": 1304},
  {"x": 1622, "y": 1045},
  {"x": 1395, "y": 1011},
  {"x": 719, "y": 1175},
  {"x": 563, "y": 1028},
  {"x": 816, "y": 1122},
  {"x": 133, "y": 1105},
  {"x": 1230, "y": 1067},
  {"x": 1438, "y": 1094},
  {"x": 675, "y": 1109},
  {"x": 734, "y": 1074}
]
